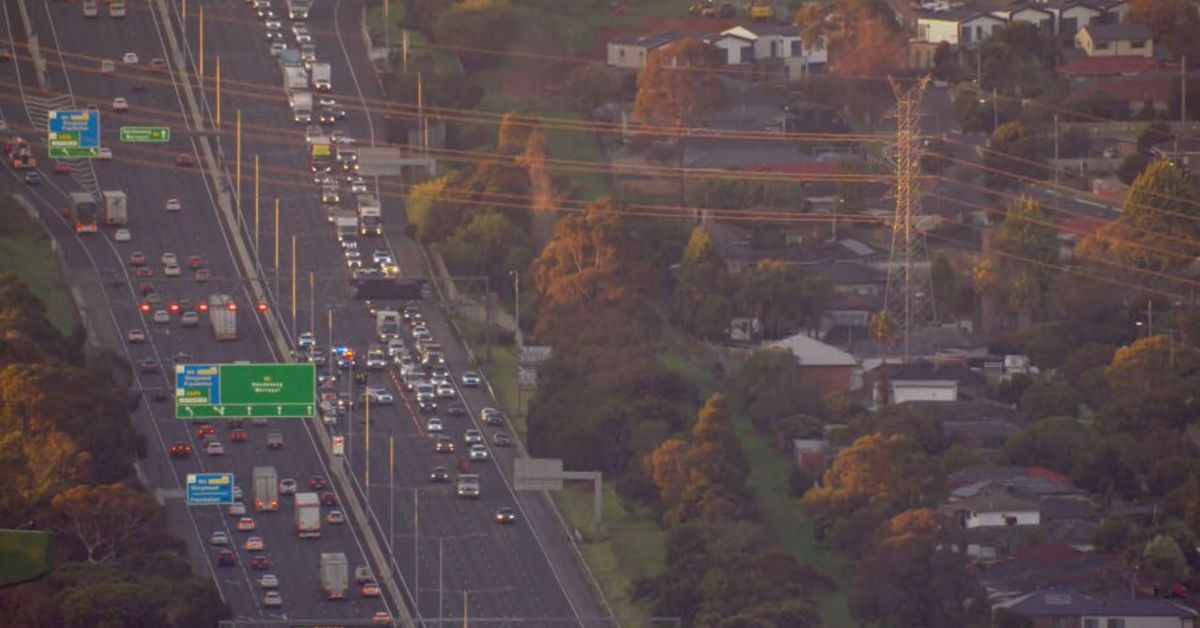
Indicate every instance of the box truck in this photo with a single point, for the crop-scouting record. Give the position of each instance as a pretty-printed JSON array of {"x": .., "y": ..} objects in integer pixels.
[
  {"x": 308, "y": 515},
  {"x": 322, "y": 76},
  {"x": 116, "y": 211},
  {"x": 266, "y": 489},
  {"x": 222, "y": 314},
  {"x": 335, "y": 575}
]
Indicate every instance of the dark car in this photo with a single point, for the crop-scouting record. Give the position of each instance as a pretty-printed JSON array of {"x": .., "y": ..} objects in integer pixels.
[
  {"x": 180, "y": 450},
  {"x": 456, "y": 410},
  {"x": 439, "y": 475},
  {"x": 33, "y": 178},
  {"x": 226, "y": 558},
  {"x": 329, "y": 499},
  {"x": 317, "y": 482},
  {"x": 427, "y": 406},
  {"x": 443, "y": 445},
  {"x": 260, "y": 562},
  {"x": 148, "y": 365},
  {"x": 185, "y": 160},
  {"x": 326, "y": 117},
  {"x": 506, "y": 515}
]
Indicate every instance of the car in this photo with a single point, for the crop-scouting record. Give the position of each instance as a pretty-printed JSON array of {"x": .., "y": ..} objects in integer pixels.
[
  {"x": 326, "y": 117},
  {"x": 472, "y": 436},
  {"x": 33, "y": 178},
  {"x": 218, "y": 538},
  {"x": 376, "y": 358},
  {"x": 116, "y": 10},
  {"x": 162, "y": 317},
  {"x": 446, "y": 391},
  {"x": 491, "y": 416},
  {"x": 287, "y": 486},
  {"x": 276, "y": 37},
  {"x": 120, "y": 104},
  {"x": 303, "y": 37},
  {"x": 275, "y": 440},
  {"x": 381, "y": 617},
  {"x": 370, "y": 589},
  {"x": 502, "y": 439},
  {"x": 317, "y": 482},
  {"x": 439, "y": 373},
  {"x": 62, "y": 167},
  {"x": 338, "y": 113},
  {"x": 172, "y": 270},
  {"x": 105, "y": 154},
  {"x": 471, "y": 379},
  {"x": 107, "y": 66},
  {"x": 277, "y": 48},
  {"x": 326, "y": 101},
  {"x": 253, "y": 544},
  {"x": 236, "y": 509},
  {"x": 214, "y": 448},
  {"x": 427, "y": 406},
  {"x": 204, "y": 430},
  {"x": 185, "y": 160},
  {"x": 433, "y": 425},
  {"x": 443, "y": 445},
  {"x": 169, "y": 258},
  {"x": 273, "y": 25},
  {"x": 353, "y": 258},
  {"x": 173, "y": 205},
  {"x": 142, "y": 272},
  {"x": 268, "y": 580},
  {"x": 379, "y": 257},
  {"x": 195, "y": 262},
  {"x": 264, "y": 13},
  {"x": 130, "y": 58},
  {"x": 135, "y": 336},
  {"x": 148, "y": 365},
  {"x": 478, "y": 451},
  {"x": 238, "y": 435},
  {"x": 299, "y": 27},
  {"x": 456, "y": 409},
  {"x": 202, "y": 275},
  {"x": 122, "y": 235},
  {"x": 190, "y": 319},
  {"x": 421, "y": 333},
  {"x": 272, "y": 600},
  {"x": 439, "y": 475},
  {"x": 158, "y": 64},
  {"x": 137, "y": 258},
  {"x": 246, "y": 524},
  {"x": 226, "y": 558},
  {"x": 180, "y": 450},
  {"x": 306, "y": 340},
  {"x": 90, "y": 9},
  {"x": 329, "y": 499},
  {"x": 505, "y": 515},
  {"x": 260, "y": 562},
  {"x": 358, "y": 185},
  {"x": 237, "y": 491},
  {"x": 335, "y": 517},
  {"x": 330, "y": 196}
]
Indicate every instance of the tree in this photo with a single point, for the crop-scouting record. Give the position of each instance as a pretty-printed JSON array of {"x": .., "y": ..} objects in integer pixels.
[
  {"x": 1132, "y": 167},
  {"x": 513, "y": 135},
  {"x": 481, "y": 27},
  {"x": 1059, "y": 444},
  {"x": 769, "y": 389},
  {"x": 1158, "y": 228},
  {"x": 1163, "y": 562},
  {"x": 703, "y": 303},
  {"x": 1046, "y": 345},
  {"x": 944, "y": 282},
  {"x": 105, "y": 522},
  {"x": 1018, "y": 59},
  {"x": 678, "y": 85},
  {"x": 1014, "y": 153},
  {"x": 1174, "y": 23},
  {"x": 489, "y": 244},
  {"x": 1151, "y": 383},
  {"x": 862, "y": 36},
  {"x": 1049, "y": 399},
  {"x": 876, "y": 470},
  {"x": 782, "y": 296},
  {"x": 1023, "y": 265},
  {"x": 433, "y": 207}
]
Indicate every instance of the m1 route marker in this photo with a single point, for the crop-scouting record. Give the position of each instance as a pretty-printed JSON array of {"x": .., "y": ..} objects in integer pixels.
[{"x": 239, "y": 391}]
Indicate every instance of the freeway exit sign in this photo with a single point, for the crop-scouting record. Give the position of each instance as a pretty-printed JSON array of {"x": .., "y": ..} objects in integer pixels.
[
  {"x": 74, "y": 152},
  {"x": 239, "y": 391},
  {"x": 145, "y": 134}
]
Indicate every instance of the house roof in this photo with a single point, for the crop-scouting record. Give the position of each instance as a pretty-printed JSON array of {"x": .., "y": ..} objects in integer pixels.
[
  {"x": 1063, "y": 5},
  {"x": 925, "y": 370},
  {"x": 763, "y": 30},
  {"x": 994, "y": 502},
  {"x": 1066, "y": 507},
  {"x": 1015, "y": 9},
  {"x": 993, "y": 473},
  {"x": 979, "y": 429},
  {"x": 1116, "y": 32},
  {"x": 813, "y": 352},
  {"x": 848, "y": 273},
  {"x": 1075, "y": 603},
  {"x": 1133, "y": 90},
  {"x": 969, "y": 410},
  {"x": 1110, "y": 66},
  {"x": 649, "y": 41},
  {"x": 957, "y": 16},
  {"x": 1046, "y": 566}
]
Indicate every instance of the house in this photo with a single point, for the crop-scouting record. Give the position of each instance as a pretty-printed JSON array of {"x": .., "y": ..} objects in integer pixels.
[
  {"x": 837, "y": 371},
  {"x": 736, "y": 45},
  {"x": 1085, "y": 70},
  {"x": 926, "y": 381},
  {"x": 1072, "y": 15},
  {"x": 957, "y": 27},
  {"x": 1115, "y": 40},
  {"x": 631, "y": 51},
  {"x": 994, "y": 509},
  {"x": 770, "y": 43},
  {"x": 1115, "y": 11},
  {"x": 810, "y": 453},
  {"x": 1046, "y": 566},
  {"x": 1042, "y": 18},
  {"x": 1072, "y": 607},
  {"x": 1133, "y": 94},
  {"x": 979, "y": 423},
  {"x": 1033, "y": 483}
]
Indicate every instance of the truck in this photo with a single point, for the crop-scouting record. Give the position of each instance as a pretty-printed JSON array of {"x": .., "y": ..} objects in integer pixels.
[
  {"x": 295, "y": 79},
  {"x": 302, "y": 106},
  {"x": 387, "y": 324},
  {"x": 467, "y": 485},
  {"x": 116, "y": 210},
  {"x": 321, "y": 155},
  {"x": 322, "y": 76},
  {"x": 308, "y": 515},
  {"x": 290, "y": 58},
  {"x": 266, "y": 489},
  {"x": 298, "y": 9},
  {"x": 335, "y": 575},
  {"x": 370, "y": 215},
  {"x": 81, "y": 212},
  {"x": 346, "y": 227},
  {"x": 222, "y": 314}
]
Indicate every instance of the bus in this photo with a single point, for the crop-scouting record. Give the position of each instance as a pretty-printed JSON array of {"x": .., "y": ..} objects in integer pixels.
[{"x": 82, "y": 212}]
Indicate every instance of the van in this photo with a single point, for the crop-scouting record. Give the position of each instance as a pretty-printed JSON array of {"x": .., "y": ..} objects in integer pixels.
[
  {"x": 90, "y": 9},
  {"x": 116, "y": 10}
]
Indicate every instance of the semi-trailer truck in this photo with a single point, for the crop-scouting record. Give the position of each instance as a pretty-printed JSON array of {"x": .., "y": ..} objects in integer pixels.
[
  {"x": 302, "y": 107},
  {"x": 322, "y": 76},
  {"x": 222, "y": 315},
  {"x": 116, "y": 210},
  {"x": 335, "y": 575},
  {"x": 266, "y": 489},
  {"x": 346, "y": 226},
  {"x": 387, "y": 324},
  {"x": 370, "y": 215},
  {"x": 295, "y": 79},
  {"x": 308, "y": 515},
  {"x": 81, "y": 212}
]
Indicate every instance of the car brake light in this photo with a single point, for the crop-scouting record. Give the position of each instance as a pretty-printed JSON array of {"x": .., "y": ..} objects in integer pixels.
[
  {"x": 232, "y": 307},
  {"x": 174, "y": 307},
  {"x": 261, "y": 307},
  {"x": 145, "y": 308},
  {"x": 202, "y": 307}
]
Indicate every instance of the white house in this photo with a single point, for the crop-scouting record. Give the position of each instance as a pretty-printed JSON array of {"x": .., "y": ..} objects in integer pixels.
[
  {"x": 1041, "y": 18},
  {"x": 995, "y": 510},
  {"x": 1071, "y": 15},
  {"x": 631, "y": 51},
  {"x": 957, "y": 27},
  {"x": 760, "y": 42},
  {"x": 736, "y": 47}
]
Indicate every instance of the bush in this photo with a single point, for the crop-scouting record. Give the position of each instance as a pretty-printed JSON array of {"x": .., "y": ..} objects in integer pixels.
[{"x": 799, "y": 481}]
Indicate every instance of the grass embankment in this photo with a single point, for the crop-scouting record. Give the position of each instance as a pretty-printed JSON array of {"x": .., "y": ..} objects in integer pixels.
[
  {"x": 26, "y": 253},
  {"x": 24, "y": 555}
]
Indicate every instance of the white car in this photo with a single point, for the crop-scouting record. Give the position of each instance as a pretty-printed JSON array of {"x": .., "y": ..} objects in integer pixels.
[
  {"x": 268, "y": 581},
  {"x": 382, "y": 257},
  {"x": 473, "y": 436},
  {"x": 105, "y": 154},
  {"x": 122, "y": 235},
  {"x": 116, "y": 9},
  {"x": 353, "y": 258},
  {"x": 446, "y": 391},
  {"x": 381, "y": 396},
  {"x": 273, "y": 25},
  {"x": 173, "y": 205},
  {"x": 237, "y": 509},
  {"x": 172, "y": 270},
  {"x": 254, "y": 544},
  {"x": 135, "y": 336},
  {"x": 107, "y": 66},
  {"x": 90, "y": 9},
  {"x": 307, "y": 339},
  {"x": 287, "y": 486},
  {"x": 190, "y": 319},
  {"x": 162, "y": 317},
  {"x": 130, "y": 58},
  {"x": 478, "y": 451},
  {"x": 277, "y": 48},
  {"x": 396, "y": 348},
  {"x": 303, "y": 37},
  {"x": 433, "y": 425},
  {"x": 218, "y": 538},
  {"x": 169, "y": 258},
  {"x": 120, "y": 104},
  {"x": 272, "y": 599},
  {"x": 299, "y": 27},
  {"x": 214, "y": 448}
]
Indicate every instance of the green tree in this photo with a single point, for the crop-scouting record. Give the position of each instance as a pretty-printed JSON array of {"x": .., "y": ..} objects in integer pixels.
[
  {"x": 1014, "y": 153},
  {"x": 1158, "y": 228},
  {"x": 768, "y": 387},
  {"x": 1050, "y": 399},
  {"x": 104, "y": 522},
  {"x": 1163, "y": 562},
  {"x": 1150, "y": 384},
  {"x": 1132, "y": 167},
  {"x": 1047, "y": 345},
  {"x": 1023, "y": 266},
  {"x": 479, "y": 28},
  {"x": 945, "y": 283},
  {"x": 703, "y": 303},
  {"x": 489, "y": 244},
  {"x": 782, "y": 296},
  {"x": 1059, "y": 444},
  {"x": 433, "y": 207}
]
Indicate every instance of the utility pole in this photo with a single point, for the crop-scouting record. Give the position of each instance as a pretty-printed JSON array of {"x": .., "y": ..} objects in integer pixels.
[
  {"x": 276, "y": 294},
  {"x": 367, "y": 444},
  {"x": 1182, "y": 99},
  {"x": 516, "y": 275},
  {"x": 201, "y": 69},
  {"x": 995, "y": 110},
  {"x": 1056, "y": 153},
  {"x": 256, "y": 200},
  {"x": 312, "y": 297},
  {"x": 391, "y": 492},
  {"x": 293, "y": 285},
  {"x": 218, "y": 81}
]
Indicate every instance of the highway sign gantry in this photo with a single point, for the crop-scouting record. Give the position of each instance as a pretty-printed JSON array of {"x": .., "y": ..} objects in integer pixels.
[
  {"x": 239, "y": 391},
  {"x": 145, "y": 134},
  {"x": 73, "y": 133},
  {"x": 208, "y": 489}
]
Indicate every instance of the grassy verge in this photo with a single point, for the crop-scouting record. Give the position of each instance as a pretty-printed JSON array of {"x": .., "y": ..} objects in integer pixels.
[
  {"x": 501, "y": 372},
  {"x": 375, "y": 22},
  {"x": 25, "y": 252},
  {"x": 632, "y": 547},
  {"x": 790, "y": 525},
  {"x": 24, "y": 555},
  {"x": 582, "y": 146}
]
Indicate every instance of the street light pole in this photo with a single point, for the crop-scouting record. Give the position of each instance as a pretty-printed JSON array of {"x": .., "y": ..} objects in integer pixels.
[
  {"x": 416, "y": 549},
  {"x": 516, "y": 275}
]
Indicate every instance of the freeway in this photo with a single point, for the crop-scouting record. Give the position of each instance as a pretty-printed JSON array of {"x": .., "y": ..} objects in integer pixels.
[
  {"x": 525, "y": 574},
  {"x": 97, "y": 267}
]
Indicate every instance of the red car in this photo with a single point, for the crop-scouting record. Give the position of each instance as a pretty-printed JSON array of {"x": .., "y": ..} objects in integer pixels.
[
  {"x": 329, "y": 499},
  {"x": 145, "y": 288},
  {"x": 226, "y": 558},
  {"x": 62, "y": 167},
  {"x": 180, "y": 450},
  {"x": 137, "y": 258},
  {"x": 195, "y": 262},
  {"x": 238, "y": 436},
  {"x": 317, "y": 482},
  {"x": 204, "y": 431},
  {"x": 260, "y": 562},
  {"x": 185, "y": 160},
  {"x": 142, "y": 272}
]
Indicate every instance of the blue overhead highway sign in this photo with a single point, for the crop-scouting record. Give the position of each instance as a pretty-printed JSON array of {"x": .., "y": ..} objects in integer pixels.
[
  {"x": 208, "y": 489},
  {"x": 73, "y": 129}
]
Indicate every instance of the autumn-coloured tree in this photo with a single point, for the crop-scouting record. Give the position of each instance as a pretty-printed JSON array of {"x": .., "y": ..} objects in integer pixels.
[
  {"x": 1173, "y": 23},
  {"x": 782, "y": 296},
  {"x": 889, "y": 472},
  {"x": 433, "y": 209},
  {"x": 703, "y": 301},
  {"x": 862, "y": 36},
  {"x": 1022, "y": 266},
  {"x": 678, "y": 85},
  {"x": 105, "y": 522},
  {"x": 513, "y": 135},
  {"x": 534, "y": 159}
]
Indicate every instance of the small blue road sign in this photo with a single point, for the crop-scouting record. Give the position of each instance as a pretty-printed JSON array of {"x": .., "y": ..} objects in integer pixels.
[{"x": 207, "y": 489}]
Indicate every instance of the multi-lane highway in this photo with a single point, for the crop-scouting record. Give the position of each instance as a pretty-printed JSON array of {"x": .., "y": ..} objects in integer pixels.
[{"x": 465, "y": 564}]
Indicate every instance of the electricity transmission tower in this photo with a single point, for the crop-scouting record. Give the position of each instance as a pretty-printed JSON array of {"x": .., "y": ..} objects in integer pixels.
[{"x": 908, "y": 299}]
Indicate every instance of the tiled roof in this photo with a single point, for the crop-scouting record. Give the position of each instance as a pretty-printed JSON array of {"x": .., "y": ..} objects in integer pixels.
[
  {"x": 956, "y": 15},
  {"x": 649, "y": 41},
  {"x": 994, "y": 502},
  {"x": 1117, "y": 32},
  {"x": 1133, "y": 90},
  {"x": 1074, "y": 603},
  {"x": 1109, "y": 66},
  {"x": 813, "y": 352}
]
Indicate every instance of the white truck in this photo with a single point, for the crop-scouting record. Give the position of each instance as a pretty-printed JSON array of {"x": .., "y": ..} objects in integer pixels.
[
  {"x": 302, "y": 106},
  {"x": 298, "y": 9},
  {"x": 387, "y": 324},
  {"x": 467, "y": 485},
  {"x": 370, "y": 215},
  {"x": 322, "y": 76},
  {"x": 222, "y": 315},
  {"x": 346, "y": 227},
  {"x": 116, "y": 209},
  {"x": 308, "y": 515},
  {"x": 335, "y": 575},
  {"x": 266, "y": 489},
  {"x": 295, "y": 79}
]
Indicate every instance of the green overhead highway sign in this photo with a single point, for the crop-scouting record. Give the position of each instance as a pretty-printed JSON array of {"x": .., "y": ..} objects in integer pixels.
[
  {"x": 74, "y": 152},
  {"x": 145, "y": 134},
  {"x": 238, "y": 391}
]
